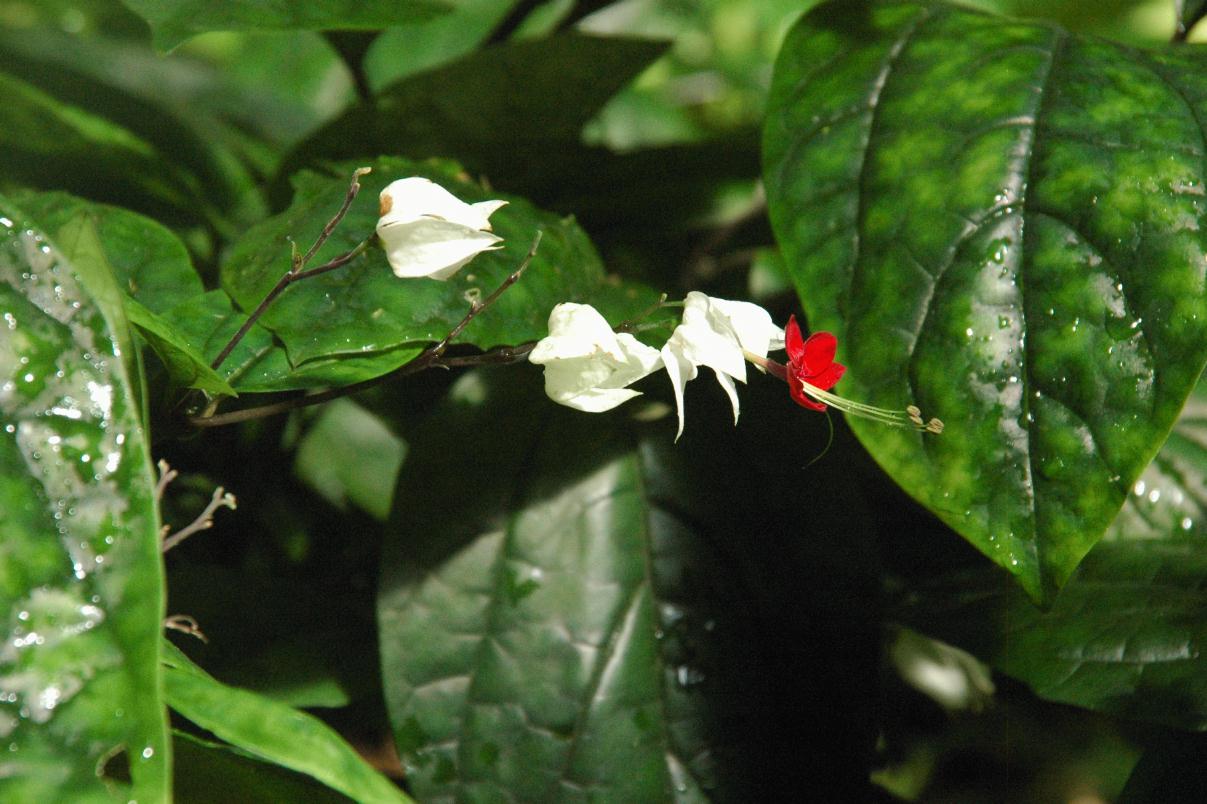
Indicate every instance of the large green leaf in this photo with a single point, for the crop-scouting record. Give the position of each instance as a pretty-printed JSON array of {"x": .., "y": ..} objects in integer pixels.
[
  {"x": 272, "y": 731},
  {"x": 363, "y": 307},
  {"x": 1125, "y": 635},
  {"x": 148, "y": 261},
  {"x": 259, "y": 364},
  {"x": 501, "y": 110},
  {"x": 174, "y": 21},
  {"x": 81, "y": 583},
  {"x": 1000, "y": 222},
  {"x": 572, "y": 607}
]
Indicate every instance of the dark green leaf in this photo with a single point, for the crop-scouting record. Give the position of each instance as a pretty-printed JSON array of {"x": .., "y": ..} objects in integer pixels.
[
  {"x": 573, "y": 607},
  {"x": 186, "y": 367},
  {"x": 272, "y": 731},
  {"x": 82, "y": 582},
  {"x": 205, "y": 772},
  {"x": 999, "y": 221},
  {"x": 175, "y": 21},
  {"x": 1122, "y": 636},
  {"x": 259, "y": 364},
  {"x": 501, "y": 110},
  {"x": 50, "y": 144},
  {"x": 148, "y": 261},
  {"x": 363, "y": 307}
]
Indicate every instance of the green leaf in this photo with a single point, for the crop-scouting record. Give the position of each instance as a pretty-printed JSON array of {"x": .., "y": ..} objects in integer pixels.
[
  {"x": 135, "y": 89},
  {"x": 1000, "y": 227},
  {"x": 405, "y": 50},
  {"x": 349, "y": 454},
  {"x": 149, "y": 262},
  {"x": 363, "y": 307},
  {"x": 546, "y": 92},
  {"x": 570, "y": 604},
  {"x": 272, "y": 731},
  {"x": 203, "y": 768},
  {"x": 47, "y": 143},
  {"x": 186, "y": 367},
  {"x": 259, "y": 364},
  {"x": 1122, "y": 636},
  {"x": 82, "y": 581},
  {"x": 1189, "y": 12},
  {"x": 175, "y": 21}
]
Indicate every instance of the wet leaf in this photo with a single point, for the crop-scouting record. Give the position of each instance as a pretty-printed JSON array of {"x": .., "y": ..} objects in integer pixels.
[
  {"x": 149, "y": 262},
  {"x": 1126, "y": 636},
  {"x": 82, "y": 583},
  {"x": 363, "y": 307},
  {"x": 999, "y": 229},
  {"x": 272, "y": 731}
]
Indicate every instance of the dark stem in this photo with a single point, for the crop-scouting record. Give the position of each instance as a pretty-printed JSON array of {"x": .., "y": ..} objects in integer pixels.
[
  {"x": 296, "y": 265},
  {"x": 511, "y": 23},
  {"x": 431, "y": 357}
]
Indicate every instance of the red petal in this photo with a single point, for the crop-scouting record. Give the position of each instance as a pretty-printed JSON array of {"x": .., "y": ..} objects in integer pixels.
[
  {"x": 828, "y": 376},
  {"x": 794, "y": 344},
  {"x": 819, "y": 352},
  {"x": 798, "y": 392}
]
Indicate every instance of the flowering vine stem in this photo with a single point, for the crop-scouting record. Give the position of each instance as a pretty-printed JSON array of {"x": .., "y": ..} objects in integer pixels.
[
  {"x": 297, "y": 267},
  {"x": 431, "y": 357}
]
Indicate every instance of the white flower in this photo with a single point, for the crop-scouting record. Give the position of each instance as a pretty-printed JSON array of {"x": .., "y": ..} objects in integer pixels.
[
  {"x": 428, "y": 231},
  {"x": 716, "y": 333},
  {"x": 587, "y": 365}
]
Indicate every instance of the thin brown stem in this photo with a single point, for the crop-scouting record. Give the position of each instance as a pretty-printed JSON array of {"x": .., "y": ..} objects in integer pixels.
[
  {"x": 297, "y": 264},
  {"x": 431, "y": 357}
]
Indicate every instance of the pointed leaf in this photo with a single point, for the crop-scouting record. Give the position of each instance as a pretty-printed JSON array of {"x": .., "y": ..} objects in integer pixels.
[
  {"x": 1123, "y": 637},
  {"x": 81, "y": 585},
  {"x": 999, "y": 220},
  {"x": 272, "y": 731}
]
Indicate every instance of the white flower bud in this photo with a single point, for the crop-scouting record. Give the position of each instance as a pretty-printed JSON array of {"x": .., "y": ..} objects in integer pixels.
[{"x": 429, "y": 232}]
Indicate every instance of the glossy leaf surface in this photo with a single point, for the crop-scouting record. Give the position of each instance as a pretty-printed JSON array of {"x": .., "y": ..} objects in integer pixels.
[
  {"x": 149, "y": 262},
  {"x": 174, "y": 21},
  {"x": 1126, "y": 636},
  {"x": 363, "y": 307},
  {"x": 1001, "y": 230},
  {"x": 81, "y": 585},
  {"x": 572, "y": 607},
  {"x": 272, "y": 731},
  {"x": 185, "y": 365}
]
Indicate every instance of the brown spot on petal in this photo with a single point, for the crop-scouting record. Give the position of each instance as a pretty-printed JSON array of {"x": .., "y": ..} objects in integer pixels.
[{"x": 387, "y": 203}]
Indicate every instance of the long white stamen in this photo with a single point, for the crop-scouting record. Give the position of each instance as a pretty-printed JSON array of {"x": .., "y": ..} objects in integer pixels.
[{"x": 910, "y": 418}]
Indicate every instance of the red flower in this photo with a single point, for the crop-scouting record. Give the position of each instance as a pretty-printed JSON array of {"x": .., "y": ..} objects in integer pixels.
[{"x": 810, "y": 361}]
